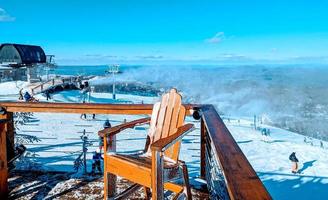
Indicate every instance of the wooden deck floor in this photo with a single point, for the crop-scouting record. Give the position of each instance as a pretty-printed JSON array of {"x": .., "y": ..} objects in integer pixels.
[{"x": 24, "y": 185}]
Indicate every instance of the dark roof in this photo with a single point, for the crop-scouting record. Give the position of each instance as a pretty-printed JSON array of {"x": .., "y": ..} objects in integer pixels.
[{"x": 27, "y": 54}]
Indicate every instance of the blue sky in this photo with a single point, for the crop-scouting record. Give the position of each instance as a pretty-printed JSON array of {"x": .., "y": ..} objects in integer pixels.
[{"x": 100, "y": 32}]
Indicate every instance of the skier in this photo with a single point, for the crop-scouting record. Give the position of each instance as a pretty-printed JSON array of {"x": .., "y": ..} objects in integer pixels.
[
  {"x": 96, "y": 162},
  {"x": 83, "y": 114},
  {"x": 264, "y": 133},
  {"x": 47, "y": 93},
  {"x": 292, "y": 157},
  {"x": 20, "y": 95},
  {"x": 101, "y": 139}
]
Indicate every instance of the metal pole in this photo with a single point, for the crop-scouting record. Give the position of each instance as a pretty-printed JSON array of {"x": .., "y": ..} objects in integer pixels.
[
  {"x": 84, "y": 153},
  {"x": 114, "y": 95}
]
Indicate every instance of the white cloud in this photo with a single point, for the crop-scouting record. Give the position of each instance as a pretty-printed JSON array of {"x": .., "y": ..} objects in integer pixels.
[
  {"x": 217, "y": 38},
  {"x": 150, "y": 57},
  {"x": 97, "y": 56},
  {"x": 5, "y": 17}
]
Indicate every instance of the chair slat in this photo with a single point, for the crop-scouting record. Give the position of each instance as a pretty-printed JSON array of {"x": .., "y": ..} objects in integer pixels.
[
  {"x": 176, "y": 147},
  {"x": 172, "y": 108},
  {"x": 173, "y": 124},
  {"x": 161, "y": 117},
  {"x": 153, "y": 122}
]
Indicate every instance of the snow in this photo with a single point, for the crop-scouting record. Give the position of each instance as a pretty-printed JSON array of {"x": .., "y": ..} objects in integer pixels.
[
  {"x": 270, "y": 161},
  {"x": 11, "y": 88},
  {"x": 60, "y": 144}
]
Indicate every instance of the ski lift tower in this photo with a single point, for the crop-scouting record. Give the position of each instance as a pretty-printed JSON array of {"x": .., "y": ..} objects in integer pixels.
[{"x": 114, "y": 69}]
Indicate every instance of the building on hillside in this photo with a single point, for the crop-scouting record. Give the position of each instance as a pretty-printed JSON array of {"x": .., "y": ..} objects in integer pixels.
[{"x": 22, "y": 62}]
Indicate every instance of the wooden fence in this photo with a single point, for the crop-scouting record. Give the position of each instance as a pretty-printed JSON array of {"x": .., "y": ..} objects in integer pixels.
[{"x": 52, "y": 82}]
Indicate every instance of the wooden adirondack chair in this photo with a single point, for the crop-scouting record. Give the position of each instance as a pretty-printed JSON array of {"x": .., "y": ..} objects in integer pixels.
[{"x": 158, "y": 165}]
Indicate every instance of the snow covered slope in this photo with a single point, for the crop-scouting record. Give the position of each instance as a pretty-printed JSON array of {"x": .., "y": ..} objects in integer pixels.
[
  {"x": 270, "y": 161},
  {"x": 60, "y": 144}
]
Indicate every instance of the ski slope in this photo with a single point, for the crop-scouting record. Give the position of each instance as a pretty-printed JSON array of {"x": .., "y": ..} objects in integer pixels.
[
  {"x": 270, "y": 161},
  {"x": 59, "y": 145}
]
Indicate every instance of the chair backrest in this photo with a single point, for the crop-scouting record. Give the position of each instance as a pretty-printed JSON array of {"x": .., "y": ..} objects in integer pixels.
[{"x": 167, "y": 116}]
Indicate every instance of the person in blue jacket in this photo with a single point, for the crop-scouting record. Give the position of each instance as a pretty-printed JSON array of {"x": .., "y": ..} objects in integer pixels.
[
  {"x": 27, "y": 96},
  {"x": 293, "y": 158},
  {"x": 96, "y": 161}
]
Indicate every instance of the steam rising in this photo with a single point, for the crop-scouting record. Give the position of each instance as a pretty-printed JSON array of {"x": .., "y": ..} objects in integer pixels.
[{"x": 292, "y": 97}]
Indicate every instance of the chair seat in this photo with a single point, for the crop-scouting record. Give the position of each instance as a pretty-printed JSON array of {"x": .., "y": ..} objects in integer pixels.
[
  {"x": 137, "y": 168},
  {"x": 143, "y": 160}
]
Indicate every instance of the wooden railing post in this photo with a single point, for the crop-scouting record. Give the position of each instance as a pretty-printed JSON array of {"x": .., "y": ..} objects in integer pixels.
[
  {"x": 109, "y": 179},
  {"x": 112, "y": 144},
  {"x": 202, "y": 149},
  {"x": 3, "y": 161},
  {"x": 9, "y": 117}
]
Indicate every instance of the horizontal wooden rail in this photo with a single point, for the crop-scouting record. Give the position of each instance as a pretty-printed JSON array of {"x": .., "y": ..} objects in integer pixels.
[
  {"x": 241, "y": 180},
  {"x": 88, "y": 108},
  {"x": 42, "y": 84}
]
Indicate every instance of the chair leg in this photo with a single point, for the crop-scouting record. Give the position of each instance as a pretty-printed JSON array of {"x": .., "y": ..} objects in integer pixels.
[
  {"x": 157, "y": 183},
  {"x": 109, "y": 185},
  {"x": 147, "y": 192},
  {"x": 186, "y": 182}
]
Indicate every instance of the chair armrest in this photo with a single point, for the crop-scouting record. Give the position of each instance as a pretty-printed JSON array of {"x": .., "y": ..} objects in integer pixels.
[
  {"x": 116, "y": 129},
  {"x": 163, "y": 144}
]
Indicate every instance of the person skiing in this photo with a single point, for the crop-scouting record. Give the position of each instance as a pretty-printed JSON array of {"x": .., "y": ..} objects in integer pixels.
[
  {"x": 47, "y": 93},
  {"x": 293, "y": 158},
  {"x": 20, "y": 95},
  {"x": 101, "y": 139},
  {"x": 83, "y": 114},
  {"x": 96, "y": 162}
]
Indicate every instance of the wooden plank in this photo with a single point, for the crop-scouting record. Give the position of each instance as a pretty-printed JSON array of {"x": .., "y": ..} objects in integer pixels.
[
  {"x": 88, "y": 108},
  {"x": 176, "y": 146},
  {"x": 167, "y": 122},
  {"x": 161, "y": 117},
  {"x": 241, "y": 179},
  {"x": 3, "y": 163},
  {"x": 153, "y": 122}
]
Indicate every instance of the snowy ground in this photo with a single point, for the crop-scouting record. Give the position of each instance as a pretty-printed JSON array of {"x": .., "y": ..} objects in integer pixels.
[
  {"x": 60, "y": 144},
  {"x": 270, "y": 161}
]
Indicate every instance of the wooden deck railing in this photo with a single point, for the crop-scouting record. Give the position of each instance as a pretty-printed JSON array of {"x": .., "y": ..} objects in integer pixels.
[
  {"x": 240, "y": 181},
  {"x": 52, "y": 82}
]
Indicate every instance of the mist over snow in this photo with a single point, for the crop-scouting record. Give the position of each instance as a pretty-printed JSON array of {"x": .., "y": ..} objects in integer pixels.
[
  {"x": 289, "y": 96},
  {"x": 293, "y": 97}
]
